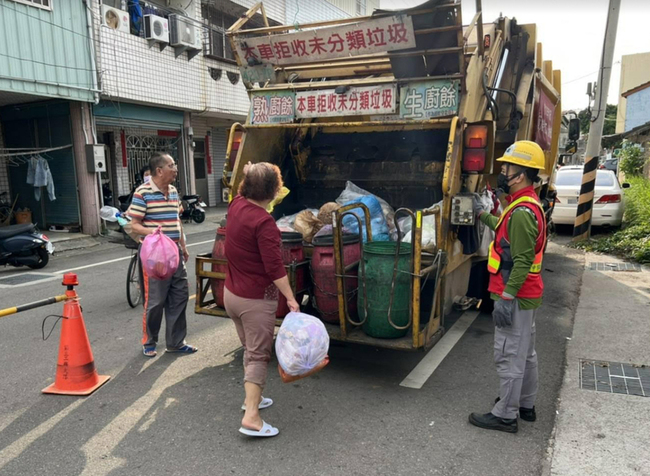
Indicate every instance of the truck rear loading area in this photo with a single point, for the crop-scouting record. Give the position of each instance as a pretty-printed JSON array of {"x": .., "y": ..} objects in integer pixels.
[{"x": 412, "y": 107}]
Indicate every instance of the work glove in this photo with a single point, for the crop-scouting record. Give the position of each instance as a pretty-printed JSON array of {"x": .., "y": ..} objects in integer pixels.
[
  {"x": 504, "y": 308},
  {"x": 478, "y": 205}
]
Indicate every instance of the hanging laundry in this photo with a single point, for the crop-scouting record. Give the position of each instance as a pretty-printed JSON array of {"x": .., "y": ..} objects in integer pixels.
[
  {"x": 31, "y": 170},
  {"x": 39, "y": 175}
]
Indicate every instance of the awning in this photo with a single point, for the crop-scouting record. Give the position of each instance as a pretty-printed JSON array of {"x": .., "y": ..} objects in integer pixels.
[{"x": 134, "y": 116}]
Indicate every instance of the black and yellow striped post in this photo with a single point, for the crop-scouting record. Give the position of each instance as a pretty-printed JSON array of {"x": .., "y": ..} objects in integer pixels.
[
  {"x": 582, "y": 225},
  {"x": 33, "y": 305}
]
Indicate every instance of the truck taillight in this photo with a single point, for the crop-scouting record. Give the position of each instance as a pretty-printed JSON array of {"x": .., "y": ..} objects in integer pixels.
[
  {"x": 475, "y": 153},
  {"x": 474, "y": 160},
  {"x": 609, "y": 199}
]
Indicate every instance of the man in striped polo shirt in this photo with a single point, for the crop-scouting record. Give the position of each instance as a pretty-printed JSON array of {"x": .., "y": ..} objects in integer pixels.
[{"x": 155, "y": 204}]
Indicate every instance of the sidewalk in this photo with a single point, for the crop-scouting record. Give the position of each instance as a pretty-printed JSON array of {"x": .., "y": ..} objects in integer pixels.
[
  {"x": 76, "y": 241},
  {"x": 605, "y": 432}
]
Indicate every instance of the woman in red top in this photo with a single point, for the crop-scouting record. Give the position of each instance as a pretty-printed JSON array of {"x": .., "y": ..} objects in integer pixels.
[{"x": 255, "y": 275}]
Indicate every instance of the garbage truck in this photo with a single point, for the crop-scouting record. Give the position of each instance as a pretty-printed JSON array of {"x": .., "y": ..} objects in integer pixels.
[{"x": 412, "y": 107}]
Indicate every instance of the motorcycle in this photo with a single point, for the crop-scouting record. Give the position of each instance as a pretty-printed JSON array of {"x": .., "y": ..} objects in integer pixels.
[
  {"x": 194, "y": 209},
  {"x": 24, "y": 245}
]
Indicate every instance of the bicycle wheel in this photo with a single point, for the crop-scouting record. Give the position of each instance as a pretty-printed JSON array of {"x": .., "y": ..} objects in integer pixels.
[{"x": 133, "y": 291}]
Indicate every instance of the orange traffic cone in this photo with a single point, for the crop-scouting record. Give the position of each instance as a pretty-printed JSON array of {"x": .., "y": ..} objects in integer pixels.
[{"x": 75, "y": 371}]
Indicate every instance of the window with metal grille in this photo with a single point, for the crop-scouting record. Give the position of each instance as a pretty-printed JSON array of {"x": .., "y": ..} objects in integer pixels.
[
  {"x": 44, "y": 4},
  {"x": 217, "y": 45},
  {"x": 361, "y": 7}
]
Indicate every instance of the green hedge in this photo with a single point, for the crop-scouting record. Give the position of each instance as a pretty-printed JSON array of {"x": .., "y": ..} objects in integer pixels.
[{"x": 633, "y": 241}]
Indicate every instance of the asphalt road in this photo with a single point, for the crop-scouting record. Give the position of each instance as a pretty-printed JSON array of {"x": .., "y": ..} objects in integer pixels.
[{"x": 180, "y": 414}]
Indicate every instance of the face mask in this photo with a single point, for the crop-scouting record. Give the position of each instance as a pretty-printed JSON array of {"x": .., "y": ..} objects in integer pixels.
[
  {"x": 147, "y": 178},
  {"x": 503, "y": 181}
]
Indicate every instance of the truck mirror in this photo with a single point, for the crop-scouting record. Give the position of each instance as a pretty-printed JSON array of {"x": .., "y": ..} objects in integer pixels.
[{"x": 574, "y": 129}]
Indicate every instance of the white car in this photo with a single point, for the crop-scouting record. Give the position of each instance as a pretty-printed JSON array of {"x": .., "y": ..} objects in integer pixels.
[{"x": 608, "y": 197}]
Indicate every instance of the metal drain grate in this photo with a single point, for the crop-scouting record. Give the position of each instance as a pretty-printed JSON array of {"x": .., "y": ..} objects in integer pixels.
[
  {"x": 631, "y": 267},
  {"x": 615, "y": 377},
  {"x": 25, "y": 278}
]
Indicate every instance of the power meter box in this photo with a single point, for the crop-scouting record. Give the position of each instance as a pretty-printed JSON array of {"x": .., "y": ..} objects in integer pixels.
[{"x": 462, "y": 210}]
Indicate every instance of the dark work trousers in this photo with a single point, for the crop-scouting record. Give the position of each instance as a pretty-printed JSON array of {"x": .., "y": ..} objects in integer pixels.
[
  {"x": 516, "y": 362},
  {"x": 169, "y": 296}
]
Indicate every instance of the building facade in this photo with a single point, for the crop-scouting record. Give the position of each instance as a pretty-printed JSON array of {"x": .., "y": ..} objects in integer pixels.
[
  {"x": 635, "y": 70},
  {"x": 157, "y": 95},
  {"x": 356, "y": 7},
  {"x": 137, "y": 76},
  {"x": 637, "y": 106},
  {"x": 47, "y": 80}
]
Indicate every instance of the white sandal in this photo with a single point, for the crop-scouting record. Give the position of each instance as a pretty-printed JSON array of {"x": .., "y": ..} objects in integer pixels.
[
  {"x": 266, "y": 431},
  {"x": 265, "y": 403}
]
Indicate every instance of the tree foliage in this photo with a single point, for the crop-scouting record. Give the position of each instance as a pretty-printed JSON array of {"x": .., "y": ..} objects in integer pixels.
[
  {"x": 632, "y": 159},
  {"x": 610, "y": 120}
]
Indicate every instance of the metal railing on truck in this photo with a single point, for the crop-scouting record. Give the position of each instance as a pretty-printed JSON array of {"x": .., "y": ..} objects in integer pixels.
[{"x": 423, "y": 266}]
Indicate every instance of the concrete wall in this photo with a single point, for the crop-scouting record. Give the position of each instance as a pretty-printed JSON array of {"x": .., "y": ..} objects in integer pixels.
[
  {"x": 218, "y": 131},
  {"x": 637, "y": 109},
  {"x": 635, "y": 70},
  {"x": 306, "y": 12},
  {"x": 350, "y": 6},
  {"x": 275, "y": 9},
  {"x": 131, "y": 71}
]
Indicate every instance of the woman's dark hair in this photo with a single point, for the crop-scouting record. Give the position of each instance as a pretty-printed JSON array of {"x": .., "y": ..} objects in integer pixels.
[
  {"x": 262, "y": 182},
  {"x": 144, "y": 169}
]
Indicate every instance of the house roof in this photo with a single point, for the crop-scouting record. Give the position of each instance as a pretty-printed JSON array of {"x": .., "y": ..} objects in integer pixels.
[{"x": 636, "y": 90}]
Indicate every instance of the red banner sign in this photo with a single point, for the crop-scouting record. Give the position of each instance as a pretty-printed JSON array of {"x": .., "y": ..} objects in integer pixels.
[
  {"x": 355, "y": 101},
  {"x": 373, "y": 36}
]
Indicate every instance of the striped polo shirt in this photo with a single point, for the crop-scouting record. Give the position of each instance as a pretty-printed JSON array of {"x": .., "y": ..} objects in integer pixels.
[{"x": 151, "y": 206}]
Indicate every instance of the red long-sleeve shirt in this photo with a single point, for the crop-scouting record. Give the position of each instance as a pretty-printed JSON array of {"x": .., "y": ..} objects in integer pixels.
[{"x": 253, "y": 251}]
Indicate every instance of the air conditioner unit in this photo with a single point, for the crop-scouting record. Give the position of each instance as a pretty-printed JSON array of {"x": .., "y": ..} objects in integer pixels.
[
  {"x": 156, "y": 28},
  {"x": 198, "y": 38},
  {"x": 116, "y": 19},
  {"x": 183, "y": 31}
]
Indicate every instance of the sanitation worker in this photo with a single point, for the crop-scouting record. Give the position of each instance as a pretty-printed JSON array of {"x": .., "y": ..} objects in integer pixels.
[{"x": 515, "y": 265}]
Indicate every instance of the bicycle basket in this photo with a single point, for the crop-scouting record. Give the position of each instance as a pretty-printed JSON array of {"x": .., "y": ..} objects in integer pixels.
[{"x": 129, "y": 242}]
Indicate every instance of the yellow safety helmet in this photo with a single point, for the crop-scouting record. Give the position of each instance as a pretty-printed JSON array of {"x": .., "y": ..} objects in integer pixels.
[{"x": 524, "y": 153}]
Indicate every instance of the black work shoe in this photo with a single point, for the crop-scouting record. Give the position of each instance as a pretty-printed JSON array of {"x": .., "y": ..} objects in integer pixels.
[
  {"x": 492, "y": 422},
  {"x": 527, "y": 414}
]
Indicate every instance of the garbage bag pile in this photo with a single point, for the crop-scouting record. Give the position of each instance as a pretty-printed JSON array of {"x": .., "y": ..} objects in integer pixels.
[{"x": 313, "y": 223}]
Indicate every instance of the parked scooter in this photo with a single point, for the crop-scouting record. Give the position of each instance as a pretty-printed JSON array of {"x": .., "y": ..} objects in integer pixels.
[
  {"x": 193, "y": 209},
  {"x": 24, "y": 245}
]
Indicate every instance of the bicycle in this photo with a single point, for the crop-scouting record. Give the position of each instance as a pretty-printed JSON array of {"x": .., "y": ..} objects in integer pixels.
[{"x": 134, "y": 273}]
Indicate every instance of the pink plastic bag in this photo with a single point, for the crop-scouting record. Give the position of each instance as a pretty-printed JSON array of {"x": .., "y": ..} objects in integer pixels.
[{"x": 159, "y": 255}]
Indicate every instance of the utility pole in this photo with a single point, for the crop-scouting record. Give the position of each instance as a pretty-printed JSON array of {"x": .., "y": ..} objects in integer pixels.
[{"x": 582, "y": 226}]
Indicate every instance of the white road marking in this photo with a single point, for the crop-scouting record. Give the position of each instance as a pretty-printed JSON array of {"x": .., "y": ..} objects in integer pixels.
[
  {"x": 45, "y": 277},
  {"x": 102, "y": 263},
  {"x": 421, "y": 373}
]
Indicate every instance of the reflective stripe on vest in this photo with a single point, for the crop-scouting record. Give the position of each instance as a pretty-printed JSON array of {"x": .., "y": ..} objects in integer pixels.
[{"x": 494, "y": 258}]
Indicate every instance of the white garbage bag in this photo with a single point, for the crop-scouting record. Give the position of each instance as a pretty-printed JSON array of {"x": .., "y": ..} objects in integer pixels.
[
  {"x": 486, "y": 234},
  {"x": 302, "y": 343}
]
